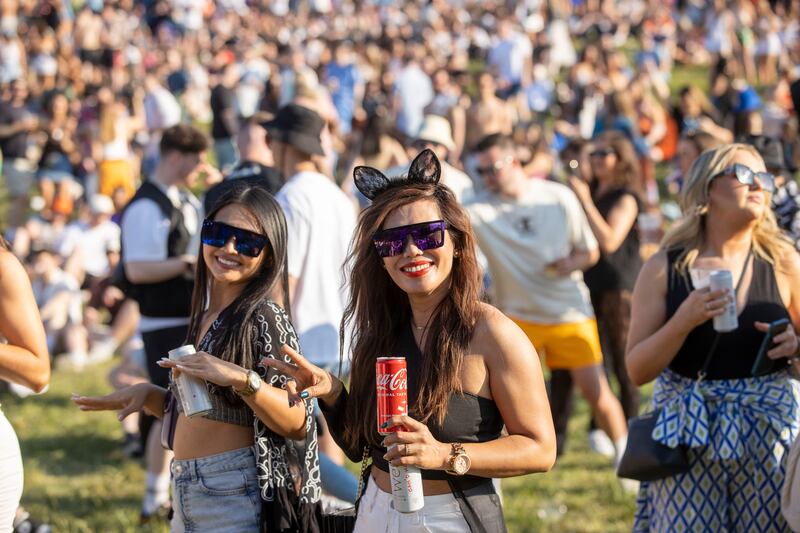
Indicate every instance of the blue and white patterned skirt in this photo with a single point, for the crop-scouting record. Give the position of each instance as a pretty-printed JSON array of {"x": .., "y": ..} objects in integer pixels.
[{"x": 738, "y": 432}]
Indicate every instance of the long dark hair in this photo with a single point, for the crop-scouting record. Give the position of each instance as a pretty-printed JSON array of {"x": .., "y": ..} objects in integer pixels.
[
  {"x": 271, "y": 281},
  {"x": 378, "y": 311},
  {"x": 627, "y": 172}
]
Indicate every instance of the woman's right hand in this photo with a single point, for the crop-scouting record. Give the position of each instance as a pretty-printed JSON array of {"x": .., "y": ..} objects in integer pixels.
[
  {"x": 308, "y": 381},
  {"x": 702, "y": 305},
  {"x": 125, "y": 401}
]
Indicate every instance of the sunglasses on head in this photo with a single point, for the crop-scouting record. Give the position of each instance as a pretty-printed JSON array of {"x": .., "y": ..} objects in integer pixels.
[
  {"x": 747, "y": 176},
  {"x": 217, "y": 234},
  {"x": 426, "y": 236}
]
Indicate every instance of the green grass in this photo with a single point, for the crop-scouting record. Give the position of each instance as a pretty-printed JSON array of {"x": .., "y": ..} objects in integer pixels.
[{"x": 77, "y": 479}]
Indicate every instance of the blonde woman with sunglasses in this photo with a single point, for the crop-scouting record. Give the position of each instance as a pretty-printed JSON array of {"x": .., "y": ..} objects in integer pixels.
[{"x": 738, "y": 427}]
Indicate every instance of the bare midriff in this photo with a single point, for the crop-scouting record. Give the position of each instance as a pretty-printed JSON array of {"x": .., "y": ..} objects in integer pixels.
[
  {"x": 201, "y": 437},
  {"x": 430, "y": 487}
]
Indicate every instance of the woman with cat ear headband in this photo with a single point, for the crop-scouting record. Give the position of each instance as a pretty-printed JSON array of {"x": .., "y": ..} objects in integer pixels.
[{"x": 415, "y": 292}]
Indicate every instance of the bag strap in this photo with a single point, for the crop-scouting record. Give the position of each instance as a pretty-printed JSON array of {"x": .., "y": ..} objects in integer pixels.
[
  {"x": 361, "y": 483},
  {"x": 701, "y": 375}
]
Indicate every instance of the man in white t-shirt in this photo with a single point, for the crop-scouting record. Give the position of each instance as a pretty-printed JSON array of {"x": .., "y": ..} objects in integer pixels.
[
  {"x": 320, "y": 220},
  {"x": 160, "y": 240},
  {"x": 537, "y": 242}
]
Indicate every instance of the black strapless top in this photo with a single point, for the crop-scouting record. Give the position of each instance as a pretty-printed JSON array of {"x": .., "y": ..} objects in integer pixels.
[{"x": 469, "y": 418}]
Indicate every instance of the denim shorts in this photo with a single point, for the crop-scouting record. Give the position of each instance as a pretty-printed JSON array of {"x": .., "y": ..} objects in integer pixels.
[{"x": 216, "y": 493}]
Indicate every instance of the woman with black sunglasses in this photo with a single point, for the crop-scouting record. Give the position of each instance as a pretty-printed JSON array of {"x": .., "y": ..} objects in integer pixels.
[
  {"x": 612, "y": 203},
  {"x": 415, "y": 292},
  {"x": 739, "y": 422},
  {"x": 235, "y": 469}
]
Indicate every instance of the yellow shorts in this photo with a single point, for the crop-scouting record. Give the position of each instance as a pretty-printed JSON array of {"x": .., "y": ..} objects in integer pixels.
[
  {"x": 565, "y": 346},
  {"x": 114, "y": 175}
]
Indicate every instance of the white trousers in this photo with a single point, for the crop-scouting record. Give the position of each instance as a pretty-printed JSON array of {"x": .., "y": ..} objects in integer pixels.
[
  {"x": 10, "y": 474},
  {"x": 376, "y": 514}
]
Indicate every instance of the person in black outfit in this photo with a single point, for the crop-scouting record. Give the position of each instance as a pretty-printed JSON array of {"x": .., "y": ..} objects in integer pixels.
[
  {"x": 415, "y": 292},
  {"x": 160, "y": 239},
  {"x": 255, "y": 165},
  {"x": 16, "y": 123},
  {"x": 612, "y": 206},
  {"x": 224, "y": 122}
]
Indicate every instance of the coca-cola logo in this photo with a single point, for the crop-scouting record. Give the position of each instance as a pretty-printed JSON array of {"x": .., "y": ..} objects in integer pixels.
[{"x": 393, "y": 382}]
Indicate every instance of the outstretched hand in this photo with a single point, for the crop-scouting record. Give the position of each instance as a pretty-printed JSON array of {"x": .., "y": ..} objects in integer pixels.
[
  {"x": 125, "y": 401},
  {"x": 308, "y": 381}
]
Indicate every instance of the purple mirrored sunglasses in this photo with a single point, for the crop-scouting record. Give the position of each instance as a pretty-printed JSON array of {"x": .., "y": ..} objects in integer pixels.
[{"x": 426, "y": 235}]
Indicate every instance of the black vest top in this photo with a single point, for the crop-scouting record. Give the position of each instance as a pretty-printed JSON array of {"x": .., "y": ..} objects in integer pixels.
[
  {"x": 737, "y": 349},
  {"x": 173, "y": 297},
  {"x": 618, "y": 270},
  {"x": 469, "y": 418}
]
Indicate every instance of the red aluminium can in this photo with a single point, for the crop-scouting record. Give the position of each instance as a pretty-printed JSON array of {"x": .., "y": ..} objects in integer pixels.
[{"x": 391, "y": 380}]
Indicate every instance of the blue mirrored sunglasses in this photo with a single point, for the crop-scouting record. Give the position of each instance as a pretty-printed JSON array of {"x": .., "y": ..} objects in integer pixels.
[{"x": 217, "y": 234}]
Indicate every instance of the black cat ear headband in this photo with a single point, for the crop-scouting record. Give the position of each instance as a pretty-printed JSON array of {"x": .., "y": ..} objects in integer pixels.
[{"x": 424, "y": 169}]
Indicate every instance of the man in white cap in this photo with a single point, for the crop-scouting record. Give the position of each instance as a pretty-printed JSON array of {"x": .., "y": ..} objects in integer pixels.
[{"x": 437, "y": 135}]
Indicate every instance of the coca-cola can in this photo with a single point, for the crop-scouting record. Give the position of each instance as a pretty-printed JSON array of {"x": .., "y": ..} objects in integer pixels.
[{"x": 391, "y": 381}]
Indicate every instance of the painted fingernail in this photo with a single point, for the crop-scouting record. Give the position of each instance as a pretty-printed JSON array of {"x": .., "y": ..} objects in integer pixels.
[
  {"x": 304, "y": 395},
  {"x": 385, "y": 425},
  {"x": 291, "y": 403}
]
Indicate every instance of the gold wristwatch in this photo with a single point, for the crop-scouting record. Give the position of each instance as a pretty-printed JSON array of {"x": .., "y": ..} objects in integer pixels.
[
  {"x": 459, "y": 462},
  {"x": 253, "y": 384}
]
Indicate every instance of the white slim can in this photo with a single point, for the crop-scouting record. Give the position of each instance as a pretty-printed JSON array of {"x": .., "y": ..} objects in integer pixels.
[
  {"x": 406, "y": 488},
  {"x": 727, "y": 321},
  {"x": 193, "y": 391}
]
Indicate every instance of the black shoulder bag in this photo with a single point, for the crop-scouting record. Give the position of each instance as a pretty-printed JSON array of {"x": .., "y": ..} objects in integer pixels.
[
  {"x": 344, "y": 521},
  {"x": 646, "y": 459}
]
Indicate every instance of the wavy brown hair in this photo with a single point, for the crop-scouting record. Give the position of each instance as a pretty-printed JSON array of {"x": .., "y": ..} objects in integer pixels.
[{"x": 378, "y": 311}]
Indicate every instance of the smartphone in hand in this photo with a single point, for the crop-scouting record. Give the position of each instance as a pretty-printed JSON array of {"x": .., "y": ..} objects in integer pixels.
[{"x": 763, "y": 364}]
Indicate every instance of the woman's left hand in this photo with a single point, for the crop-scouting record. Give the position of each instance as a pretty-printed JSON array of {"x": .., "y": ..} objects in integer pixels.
[
  {"x": 784, "y": 344},
  {"x": 212, "y": 369},
  {"x": 580, "y": 188},
  {"x": 415, "y": 446}
]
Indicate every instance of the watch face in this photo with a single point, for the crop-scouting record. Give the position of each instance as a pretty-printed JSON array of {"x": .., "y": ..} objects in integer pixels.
[
  {"x": 254, "y": 381},
  {"x": 461, "y": 464}
]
